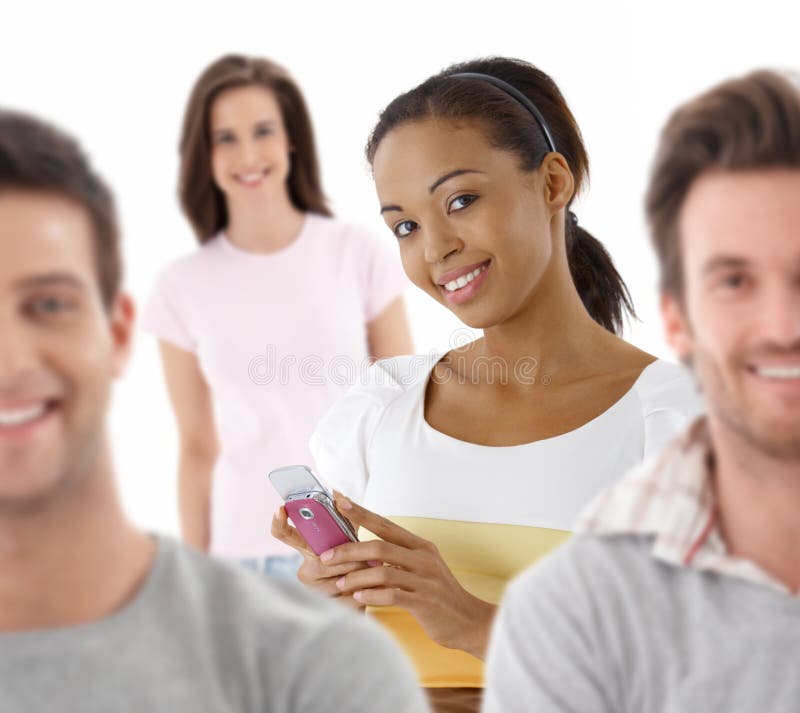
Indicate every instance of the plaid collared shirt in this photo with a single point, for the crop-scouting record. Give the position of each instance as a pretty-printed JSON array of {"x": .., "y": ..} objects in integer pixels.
[{"x": 672, "y": 498}]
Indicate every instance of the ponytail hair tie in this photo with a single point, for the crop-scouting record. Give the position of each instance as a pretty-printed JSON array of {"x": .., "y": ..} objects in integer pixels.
[{"x": 572, "y": 218}]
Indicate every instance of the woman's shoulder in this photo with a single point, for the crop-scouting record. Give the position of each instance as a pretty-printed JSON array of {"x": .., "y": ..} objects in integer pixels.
[
  {"x": 341, "y": 440},
  {"x": 384, "y": 383},
  {"x": 343, "y": 230},
  {"x": 661, "y": 375},
  {"x": 664, "y": 385},
  {"x": 387, "y": 379},
  {"x": 188, "y": 264}
]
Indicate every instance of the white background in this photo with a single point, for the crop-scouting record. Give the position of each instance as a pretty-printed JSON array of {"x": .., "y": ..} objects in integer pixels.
[{"x": 117, "y": 76}]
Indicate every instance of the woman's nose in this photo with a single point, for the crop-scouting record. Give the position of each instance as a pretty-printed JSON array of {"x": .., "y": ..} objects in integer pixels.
[{"x": 441, "y": 243}]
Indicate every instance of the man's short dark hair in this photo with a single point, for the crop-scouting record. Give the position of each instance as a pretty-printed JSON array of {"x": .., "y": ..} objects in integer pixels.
[
  {"x": 36, "y": 156},
  {"x": 748, "y": 123}
]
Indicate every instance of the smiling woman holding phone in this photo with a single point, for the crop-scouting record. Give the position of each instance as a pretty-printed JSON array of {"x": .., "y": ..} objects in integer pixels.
[
  {"x": 276, "y": 283},
  {"x": 479, "y": 460}
]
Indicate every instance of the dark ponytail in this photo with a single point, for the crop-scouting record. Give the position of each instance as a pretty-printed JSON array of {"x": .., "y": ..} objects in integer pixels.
[
  {"x": 601, "y": 288},
  {"x": 512, "y": 128}
]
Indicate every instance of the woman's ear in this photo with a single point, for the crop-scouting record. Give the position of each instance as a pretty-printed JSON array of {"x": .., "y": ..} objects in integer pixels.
[{"x": 559, "y": 184}]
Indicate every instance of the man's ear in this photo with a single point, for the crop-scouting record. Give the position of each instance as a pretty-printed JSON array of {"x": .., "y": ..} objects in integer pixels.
[
  {"x": 121, "y": 318},
  {"x": 559, "y": 183},
  {"x": 677, "y": 329}
]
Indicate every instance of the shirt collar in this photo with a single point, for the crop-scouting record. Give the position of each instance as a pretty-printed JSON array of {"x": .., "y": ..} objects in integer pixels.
[{"x": 672, "y": 499}]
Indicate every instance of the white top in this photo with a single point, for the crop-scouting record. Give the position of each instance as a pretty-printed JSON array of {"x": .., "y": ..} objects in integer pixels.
[
  {"x": 376, "y": 447},
  {"x": 279, "y": 338},
  {"x": 491, "y": 511}
]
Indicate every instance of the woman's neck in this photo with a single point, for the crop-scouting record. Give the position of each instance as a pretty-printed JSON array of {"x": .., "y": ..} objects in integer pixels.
[
  {"x": 554, "y": 330},
  {"x": 263, "y": 226}
]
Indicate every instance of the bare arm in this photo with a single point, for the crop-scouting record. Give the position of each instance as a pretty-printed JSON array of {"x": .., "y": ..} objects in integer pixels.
[
  {"x": 389, "y": 334},
  {"x": 199, "y": 445},
  {"x": 416, "y": 579}
]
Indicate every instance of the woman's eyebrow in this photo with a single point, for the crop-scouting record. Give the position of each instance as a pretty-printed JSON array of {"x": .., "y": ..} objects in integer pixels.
[
  {"x": 438, "y": 182},
  {"x": 451, "y": 174}
]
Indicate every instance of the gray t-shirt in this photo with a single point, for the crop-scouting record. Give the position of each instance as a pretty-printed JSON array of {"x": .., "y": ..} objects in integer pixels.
[
  {"x": 205, "y": 636},
  {"x": 601, "y": 626}
]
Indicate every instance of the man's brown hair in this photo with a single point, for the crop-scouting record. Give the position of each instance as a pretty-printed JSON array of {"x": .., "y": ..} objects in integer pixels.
[
  {"x": 752, "y": 122},
  {"x": 36, "y": 156}
]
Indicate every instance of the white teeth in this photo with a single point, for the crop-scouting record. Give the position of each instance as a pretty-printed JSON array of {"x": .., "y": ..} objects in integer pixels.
[
  {"x": 779, "y": 372},
  {"x": 252, "y": 177},
  {"x": 462, "y": 281},
  {"x": 21, "y": 416}
]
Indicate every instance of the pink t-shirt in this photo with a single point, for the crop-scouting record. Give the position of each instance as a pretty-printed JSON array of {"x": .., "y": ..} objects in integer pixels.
[{"x": 279, "y": 338}]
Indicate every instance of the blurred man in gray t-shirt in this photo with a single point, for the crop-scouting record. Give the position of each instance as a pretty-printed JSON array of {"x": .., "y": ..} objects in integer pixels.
[
  {"x": 96, "y": 616},
  {"x": 682, "y": 591}
]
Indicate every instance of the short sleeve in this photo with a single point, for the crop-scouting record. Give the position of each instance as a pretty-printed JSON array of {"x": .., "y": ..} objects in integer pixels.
[
  {"x": 670, "y": 401},
  {"x": 339, "y": 443},
  {"x": 544, "y": 654},
  {"x": 162, "y": 315},
  {"x": 381, "y": 274}
]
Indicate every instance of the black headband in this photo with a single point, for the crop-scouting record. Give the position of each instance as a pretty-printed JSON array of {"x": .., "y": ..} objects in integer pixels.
[{"x": 519, "y": 96}]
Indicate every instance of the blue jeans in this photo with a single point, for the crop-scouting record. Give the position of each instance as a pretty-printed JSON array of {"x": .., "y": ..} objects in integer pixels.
[{"x": 280, "y": 566}]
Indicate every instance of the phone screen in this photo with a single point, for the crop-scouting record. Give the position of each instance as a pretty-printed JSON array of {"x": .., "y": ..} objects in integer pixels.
[{"x": 295, "y": 479}]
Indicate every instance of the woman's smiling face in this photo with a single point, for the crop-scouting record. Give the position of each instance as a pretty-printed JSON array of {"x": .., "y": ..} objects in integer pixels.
[
  {"x": 250, "y": 148},
  {"x": 473, "y": 228}
]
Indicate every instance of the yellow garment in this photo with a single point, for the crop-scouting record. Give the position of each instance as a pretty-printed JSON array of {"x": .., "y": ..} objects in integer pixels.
[{"x": 484, "y": 558}]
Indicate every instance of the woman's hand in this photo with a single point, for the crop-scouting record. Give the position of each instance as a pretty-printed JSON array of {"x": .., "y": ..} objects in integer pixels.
[
  {"x": 312, "y": 572},
  {"x": 414, "y": 577}
]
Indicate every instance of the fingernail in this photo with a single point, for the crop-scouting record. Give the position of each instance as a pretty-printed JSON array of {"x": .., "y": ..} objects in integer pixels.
[
  {"x": 340, "y": 582},
  {"x": 374, "y": 563},
  {"x": 326, "y": 556},
  {"x": 344, "y": 503},
  {"x": 358, "y": 596}
]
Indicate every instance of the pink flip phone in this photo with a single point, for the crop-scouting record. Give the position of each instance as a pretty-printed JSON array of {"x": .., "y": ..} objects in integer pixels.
[{"x": 311, "y": 508}]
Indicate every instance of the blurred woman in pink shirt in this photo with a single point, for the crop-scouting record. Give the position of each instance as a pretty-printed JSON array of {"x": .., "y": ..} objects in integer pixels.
[{"x": 264, "y": 326}]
